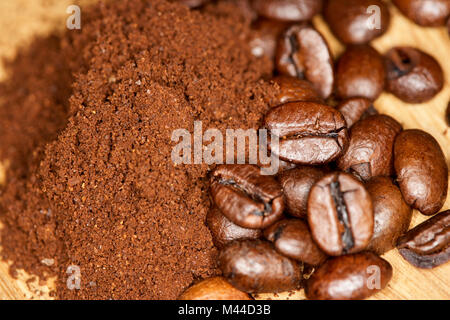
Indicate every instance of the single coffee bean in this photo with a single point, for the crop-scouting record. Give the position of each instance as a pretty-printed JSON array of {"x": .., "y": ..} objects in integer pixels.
[
  {"x": 430, "y": 13},
  {"x": 392, "y": 215},
  {"x": 216, "y": 288},
  {"x": 193, "y": 3},
  {"x": 224, "y": 231},
  {"x": 265, "y": 37},
  {"x": 254, "y": 266},
  {"x": 428, "y": 244},
  {"x": 412, "y": 75},
  {"x": 357, "y": 21},
  {"x": 360, "y": 73},
  {"x": 294, "y": 89},
  {"x": 246, "y": 197},
  {"x": 370, "y": 151},
  {"x": 310, "y": 133},
  {"x": 302, "y": 52},
  {"x": 288, "y": 10},
  {"x": 447, "y": 115},
  {"x": 292, "y": 238},
  {"x": 340, "y": 214},
  {"x": 354, "y": 109},
  {"x": 350, "y": 277},
  {"x": 421, "y": 170},
  {"x": 296, "y": 184}
]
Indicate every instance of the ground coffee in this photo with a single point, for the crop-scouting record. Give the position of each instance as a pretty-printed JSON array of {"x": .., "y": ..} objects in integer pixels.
[{"x": 103, "y": 194}]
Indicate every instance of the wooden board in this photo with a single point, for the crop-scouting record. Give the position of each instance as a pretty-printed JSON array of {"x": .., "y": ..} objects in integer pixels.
[{"x": 21, "y": 19}]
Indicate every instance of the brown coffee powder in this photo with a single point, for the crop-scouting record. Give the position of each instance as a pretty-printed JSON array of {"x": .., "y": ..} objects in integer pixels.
[{"x": 105, "y": 195}]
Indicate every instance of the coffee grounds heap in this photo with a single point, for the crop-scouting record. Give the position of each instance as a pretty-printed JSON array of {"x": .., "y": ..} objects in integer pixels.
[{"x": 91, "y": 182}]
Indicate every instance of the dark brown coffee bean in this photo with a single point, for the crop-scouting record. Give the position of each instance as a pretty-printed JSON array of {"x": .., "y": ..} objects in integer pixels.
[
  {"x": 421, "y": 170},
  {"x": 223, "y": 231},
  {"x": 216, "y": 288},
  {"x": 294, "y": 89},
  {"x": 350, "y": 277},
  {"x": 431, "y": 13},
  {"x": 296, "y": 184},
  {"x": 288, "y": 10},
  {"x": 412, "y": 75},
  {"x": 340, "y": 214},
  {"x": 356, "y": 21},
  {"x": 360, "y": 73},
  {"x": 265, "y": 37},
  {"x": 447, "y": 115},
  {"x": 292, "y": 238},
  {"x": 428, "y": 244},
  {"x": 193, "y": 3},
  {"x": 392, "y": 215},
  {"x": 246, "y": 197},
  {"x": 254, "y": 266},
  {"x": 370, "y": 151},
  {"x": 354, "y": 109},
  {"x": 310, "y": 133},
  {"x": 303, "y": 53}
]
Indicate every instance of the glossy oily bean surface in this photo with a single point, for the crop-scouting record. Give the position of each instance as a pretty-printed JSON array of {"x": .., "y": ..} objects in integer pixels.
[
  {"x": 264, "y": 38},
  {"x": 350, "y": 277},
  {"x": 310, "y": 133},
  {"x": 292, "y": 238},
  {"x": 354, "y": 21},
  {"x": 370, "y": 151},
  {"x": 223, "y": 231},
  {"x": 392, "y": 215},
  {"x": 354, "y": 109},
  {"x": 421, "y": 169},
  {"x": 288, "y": 10},
  {"x": 412, "y": 75},
  {"x": 428, "y": 244},
  {"x": 430, "y": 13},
  {"x": 246, "y": 197},
  {"x": 296, "y": 184},
  {"x": 340, "y": 214},
  {"x": 254, "y": 266},
  {"x": 360, "y": 72},
  {"x": 216, "y": 288},
  {"x": 294, "y": 89},
  {"x": 303, "y": 53}
]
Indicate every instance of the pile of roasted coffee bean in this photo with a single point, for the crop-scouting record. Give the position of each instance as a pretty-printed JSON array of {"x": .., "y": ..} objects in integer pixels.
[{"x": 349, "y": 177}]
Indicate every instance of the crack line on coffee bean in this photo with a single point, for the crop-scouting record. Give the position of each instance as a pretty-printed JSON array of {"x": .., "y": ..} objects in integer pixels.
[
  {"x": 342, "y": 213},
  {"x": 295, "y": 47}
]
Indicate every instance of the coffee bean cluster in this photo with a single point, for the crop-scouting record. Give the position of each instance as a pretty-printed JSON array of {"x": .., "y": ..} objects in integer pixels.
[{"x": 349, "y": 177}]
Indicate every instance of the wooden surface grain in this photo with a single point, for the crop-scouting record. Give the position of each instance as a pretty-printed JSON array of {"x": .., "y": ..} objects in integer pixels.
[{"x": 20, "y": 20}]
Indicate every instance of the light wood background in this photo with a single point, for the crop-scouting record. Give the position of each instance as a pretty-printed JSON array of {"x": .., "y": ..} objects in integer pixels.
[{"x": 20, "y": 20}]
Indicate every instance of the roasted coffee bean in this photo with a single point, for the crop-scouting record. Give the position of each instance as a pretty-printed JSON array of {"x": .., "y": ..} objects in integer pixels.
[
  {"x": 428, "y": 244},
  {"x": 254, "y": 266},
  {"x": 340, "y": 214},
  {"x": 353, "y": 21},
  {"x": 354, "y": 109},
  {"x": 447, "y": 115},
  {"x": 412, "y": 75},
  {"x": 349, "y": 277},
  {"x": 216, "y": 288},
  {"x": 302, "y": 52},
  {"x": 296, "y": 184},
  {"x": 431, "y": 13},
  {"x": 292, "y": 238},
  {"x": 246, "y": 197},
  {"x": 392, "y": 215},
  {"x": 310, "y": 133},
  {"x": 265, "y": 37},
  {"x": 288, "y": 10},
  {"x": 224, "y": 231},
  {"x": 193, "y": 3},
  {"x": 421, "y": 170},
  {"x": 370, "y": 151},
  {"x": 294, "y": 89},
  {"x": 360, "y": 73}
]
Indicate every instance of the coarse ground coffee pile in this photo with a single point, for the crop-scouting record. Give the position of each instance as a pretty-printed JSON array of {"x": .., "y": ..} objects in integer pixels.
[{"x": 86, "y": 121}]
